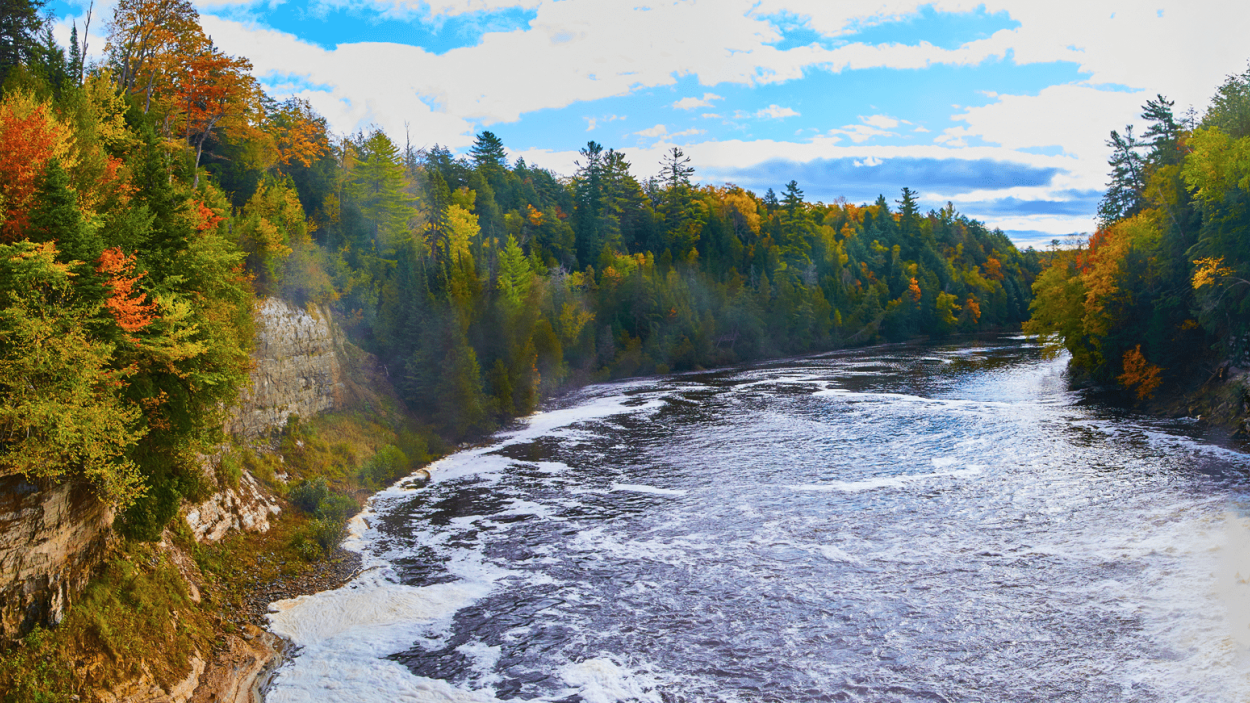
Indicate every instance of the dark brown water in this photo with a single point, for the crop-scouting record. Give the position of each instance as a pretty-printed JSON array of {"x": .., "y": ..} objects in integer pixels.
[{"x": 910, "y": 523}]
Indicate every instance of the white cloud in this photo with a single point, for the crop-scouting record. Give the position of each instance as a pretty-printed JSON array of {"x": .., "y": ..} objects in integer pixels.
[
  {"x": 869, "y": 161},
  {"x": 881, "y": 121},
  {"x": 776, "y": 112},
  {"x": 409, "y": 9},
  {"x": 691, "y": 103},
  {"x": 593, "y": 122},
  {"x": 584, "y": 50},
  {"x": 1074, "y": 117},
  {"x": 953, "y": 136},
  {"x": 656, "y": 131},
  {"x": 873, "y": 126}
]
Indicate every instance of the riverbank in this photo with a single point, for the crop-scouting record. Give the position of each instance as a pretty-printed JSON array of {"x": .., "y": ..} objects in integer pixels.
[{"x": 179, "y": 620}]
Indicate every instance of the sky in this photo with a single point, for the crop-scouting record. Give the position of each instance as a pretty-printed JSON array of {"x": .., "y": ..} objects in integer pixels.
[{"x": 1002, "y": 108}]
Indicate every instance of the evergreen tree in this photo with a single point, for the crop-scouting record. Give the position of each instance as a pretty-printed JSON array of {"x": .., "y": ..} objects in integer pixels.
[
  {"x": 1128, "y": 179},
  {"x": 676, "y": 171},
  {"x": 515, "y": 274},
  {"x": 56, "y": 218},
  {"x": 19, "y": 33},
  {"x": 378, "y": 186},
  {"x": 1230, "y": 108},
  {"x": 488, "y": 155},
  {"x": 589, "y": 189},
  {"x": 1164, "y": 133}
]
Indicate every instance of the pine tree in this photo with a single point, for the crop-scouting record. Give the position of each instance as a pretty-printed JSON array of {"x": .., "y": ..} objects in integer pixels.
[
  {"x": 677, "y": 170},
  {"x": 515, "y": 274},
  {"x": 489, "y": 155},
  {"x": 588, "y": 187},
  {"x": 1128, "y": 179},
  {"x": 1164, "y": 134},
  {"x": 19, "y": 33},
  {"x": 378, "y": 186},
  {"x": 56, "y": 218}
]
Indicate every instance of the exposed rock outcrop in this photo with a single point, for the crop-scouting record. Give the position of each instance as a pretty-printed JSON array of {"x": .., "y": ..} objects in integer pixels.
[
  {"x": 51, "y": 539},
  {"x": 295, "y": 369},
  {"x": 241, "y": 668},
  {"x": 245, "y": 508}
]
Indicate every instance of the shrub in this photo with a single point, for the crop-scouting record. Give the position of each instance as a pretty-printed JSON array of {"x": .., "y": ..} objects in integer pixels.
[
  {"x": 386, "y": 464},
  {"x": 336, "y": 506},
  {"x": 229, "y": 470},
  {"x": 318, "y": 537},
  {"x": 307, "y": 495}
]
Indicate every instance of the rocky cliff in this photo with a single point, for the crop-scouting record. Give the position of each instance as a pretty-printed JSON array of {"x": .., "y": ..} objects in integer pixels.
[
  {"x": 53, "y": 536},
  {"x": 295, "y": 369},
  {"x": 51, "y": 539},
  {"x": 295, "y": 372}
]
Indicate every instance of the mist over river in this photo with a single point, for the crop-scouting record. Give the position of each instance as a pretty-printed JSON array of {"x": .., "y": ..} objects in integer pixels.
[{"x": 901, "y": 523}]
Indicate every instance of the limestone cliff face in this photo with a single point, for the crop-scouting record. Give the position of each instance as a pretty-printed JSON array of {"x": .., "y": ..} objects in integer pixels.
[
  {"x": 52, "y": 537},
  {"x": 295, "y": 371}
]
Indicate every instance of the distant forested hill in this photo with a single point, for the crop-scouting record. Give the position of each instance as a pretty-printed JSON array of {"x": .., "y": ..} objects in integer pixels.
[{"x": 147, "y": 200}]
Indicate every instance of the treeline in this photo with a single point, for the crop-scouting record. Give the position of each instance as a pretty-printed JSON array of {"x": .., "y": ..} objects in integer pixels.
[
  {"x": 1162, "y": 286},
  {"x": 148, "y": 199},
  {"x": 481, "y": 284}
]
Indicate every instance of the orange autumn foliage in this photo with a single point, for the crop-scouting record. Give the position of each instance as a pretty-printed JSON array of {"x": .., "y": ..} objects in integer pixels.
[
  {"x": 299, "y": 134},
  {"x": 914, "y": 290},
  {"x": 30, "y": 137},
  {"x": 127, "y": 306},
  {"x": 1140, "y": 376},
  {"x": 205, "y": 217},
  {"x": 993, "y": 269},
  {"x": 215, "y": 88},
  {"x": 974, "y": 309}
]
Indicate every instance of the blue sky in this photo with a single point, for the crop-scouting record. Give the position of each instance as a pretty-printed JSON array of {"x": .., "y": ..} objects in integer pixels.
[{"x": 999, "y": 107}]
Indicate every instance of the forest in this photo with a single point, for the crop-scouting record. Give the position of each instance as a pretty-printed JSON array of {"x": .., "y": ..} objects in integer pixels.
[
  {"x": 1159, "y": 293},
  {"x": 149, "y": 199}
]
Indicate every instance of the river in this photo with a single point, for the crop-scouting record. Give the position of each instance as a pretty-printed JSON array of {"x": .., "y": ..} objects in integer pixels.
[{"x": 900, "y": 523}]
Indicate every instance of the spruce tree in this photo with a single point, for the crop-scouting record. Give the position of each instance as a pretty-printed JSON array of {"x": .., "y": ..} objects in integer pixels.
[
  {"x": 56, "y": 217},
  {"x": 19, "y": 33}
]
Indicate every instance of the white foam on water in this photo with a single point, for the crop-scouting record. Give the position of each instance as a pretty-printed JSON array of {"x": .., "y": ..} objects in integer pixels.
[
  {"x": 369, "y": 603},
  {"x": 343, "y": 636},
  {"x": 484, "y": 658},
  {"x": 1198, "y": 604},
  {"x": 552, "y": 467},
  {"x": 832, "y": 553},
  {"x": 601, "y": 680},
  {"x": 516, "y": 506},
  {"x": 599, "y": 543},
  {"x": 886, "y": 481},
  {"x": 474, "y": 462},
  {"x": 640, "y": 488}
]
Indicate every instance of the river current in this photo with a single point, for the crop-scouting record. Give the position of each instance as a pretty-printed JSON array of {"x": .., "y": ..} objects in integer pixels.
[{"x": 902, "y": 523}]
